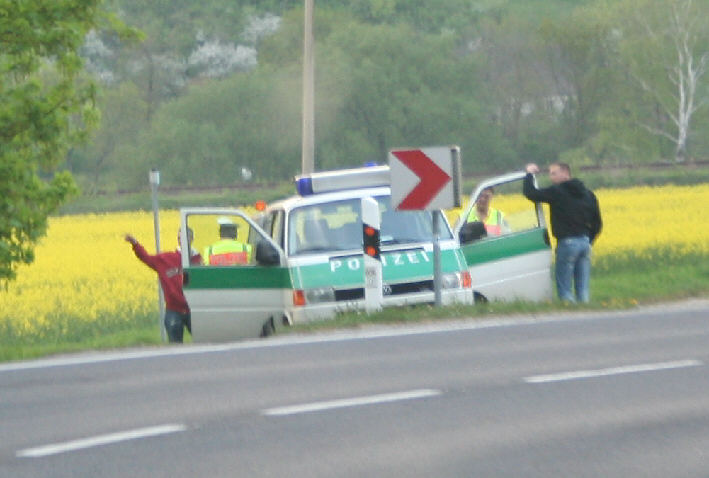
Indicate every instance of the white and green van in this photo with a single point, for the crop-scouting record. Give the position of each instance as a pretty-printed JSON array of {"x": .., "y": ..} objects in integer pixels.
[{"x": 307, "y": 258}]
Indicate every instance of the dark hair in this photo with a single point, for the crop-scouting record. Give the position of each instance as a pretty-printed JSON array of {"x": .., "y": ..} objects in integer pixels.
[
  {"x": 227, "y": 231},
  {"x": 190, "y": 233},
  {"x": 563, "y": 166}
]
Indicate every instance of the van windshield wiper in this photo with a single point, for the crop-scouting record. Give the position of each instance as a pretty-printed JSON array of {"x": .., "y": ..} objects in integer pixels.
[
  {"x": 316, "y": 249},
  {"x": 403, "y": 240}
]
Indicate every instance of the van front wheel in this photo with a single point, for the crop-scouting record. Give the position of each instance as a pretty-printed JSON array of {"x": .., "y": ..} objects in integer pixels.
[{"x": 268, "y": 328}]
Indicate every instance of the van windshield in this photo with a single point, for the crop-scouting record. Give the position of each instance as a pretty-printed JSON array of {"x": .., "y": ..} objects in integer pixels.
[{"x": 337, "y": 226}]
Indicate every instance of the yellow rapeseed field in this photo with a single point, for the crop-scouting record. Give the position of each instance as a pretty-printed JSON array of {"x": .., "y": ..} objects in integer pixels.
[
  {"x": 84, "y": 272},
  {"x": 643, "y": 218},
  {"x": 85, "y": 276}
]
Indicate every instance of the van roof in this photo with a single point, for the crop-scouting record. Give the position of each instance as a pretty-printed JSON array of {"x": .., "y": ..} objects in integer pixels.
[{"x": 323, "y": 198}]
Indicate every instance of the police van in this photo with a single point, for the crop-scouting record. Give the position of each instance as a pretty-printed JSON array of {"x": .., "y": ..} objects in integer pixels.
[{"x": 306, "y": 258}]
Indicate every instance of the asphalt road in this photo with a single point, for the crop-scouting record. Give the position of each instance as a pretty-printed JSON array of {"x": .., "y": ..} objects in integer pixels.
[{"x": 593, "y": 395}]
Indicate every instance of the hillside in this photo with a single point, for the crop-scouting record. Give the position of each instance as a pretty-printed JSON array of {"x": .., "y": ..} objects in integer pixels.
[{"x": 211, "y": 96}]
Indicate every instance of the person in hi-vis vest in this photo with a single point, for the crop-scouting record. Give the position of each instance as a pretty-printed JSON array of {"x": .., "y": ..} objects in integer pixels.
[
  {"x": 493, "y": 219},
  {"x": 227, "y": 251}
]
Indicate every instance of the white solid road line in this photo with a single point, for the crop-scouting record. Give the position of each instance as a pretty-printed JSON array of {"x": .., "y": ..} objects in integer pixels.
[
  {"x": 581, "y": 374},
  {"x": 375, "y": 332},
  {"x": 99, "y": 440},
  {"x": 350, "y": 402}
]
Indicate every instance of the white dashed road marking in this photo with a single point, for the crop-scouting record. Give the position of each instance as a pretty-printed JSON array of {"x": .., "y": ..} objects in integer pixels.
[
  {"x": 350, "y": 402},
  {"x": 99, "y": 440},
  {"x": 581, "y": 374}
]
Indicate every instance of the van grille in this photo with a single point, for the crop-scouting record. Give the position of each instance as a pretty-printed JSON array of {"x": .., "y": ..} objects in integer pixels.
[{"x": 389, "y": 290}]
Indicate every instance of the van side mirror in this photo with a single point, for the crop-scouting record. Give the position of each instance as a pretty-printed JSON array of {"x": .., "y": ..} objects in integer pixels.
[
  {"x": 471, "y": 231},
  {"x": 267, "y": 254}
]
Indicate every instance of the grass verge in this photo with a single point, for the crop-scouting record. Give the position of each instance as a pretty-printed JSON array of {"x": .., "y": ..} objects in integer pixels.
[
  {"x": 147, "y": 335},
  {"x": 618, "y": 281}
]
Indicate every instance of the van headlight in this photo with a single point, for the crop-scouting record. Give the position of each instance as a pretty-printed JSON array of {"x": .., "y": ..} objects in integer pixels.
[
  {"x": 319, "y": 295},
  {"x": 456, "y": 280},
  {"x": 450, "y": 280}
]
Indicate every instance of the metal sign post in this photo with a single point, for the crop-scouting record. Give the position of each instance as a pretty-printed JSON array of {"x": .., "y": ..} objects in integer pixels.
[
  {"x": 154, "y": 178},
  {"x": 436, "y": 259}
]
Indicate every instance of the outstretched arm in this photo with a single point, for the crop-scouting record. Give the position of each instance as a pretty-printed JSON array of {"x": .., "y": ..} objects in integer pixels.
[
  {"x": 140, "y": 252},
  {"x": 530, "y": 191}
]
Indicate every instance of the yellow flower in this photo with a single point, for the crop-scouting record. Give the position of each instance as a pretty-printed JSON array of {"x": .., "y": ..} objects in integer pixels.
[{"x": 86, "y": 277}]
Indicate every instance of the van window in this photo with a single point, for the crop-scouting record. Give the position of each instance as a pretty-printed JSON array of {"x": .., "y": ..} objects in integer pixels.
[
  {"x": 508, "y": 210},
  {"x": 403, "y": 227},
  {"x": 337, "y": 226}
]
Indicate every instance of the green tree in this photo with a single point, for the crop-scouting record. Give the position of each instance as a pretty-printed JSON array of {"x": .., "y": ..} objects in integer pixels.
[
  {"x": 663, "y": 50},
  {"x": 383, "y": 86},
  {"x": 95, "y": 164},
  {"x": 577, "y": 57},
  {"x": 45, "y": 106},
  {"x": 207, "y": 136},
  {"x": 392, "y": 86}
]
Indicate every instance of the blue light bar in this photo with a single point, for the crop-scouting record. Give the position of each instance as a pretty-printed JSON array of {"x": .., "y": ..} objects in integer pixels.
[
  {"x": 328, "y": 181},
  {"x": 304, "y": 185}
]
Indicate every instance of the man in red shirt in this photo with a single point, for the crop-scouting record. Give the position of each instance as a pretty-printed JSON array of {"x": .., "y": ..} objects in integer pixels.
[{"x": 168, "y": 265}]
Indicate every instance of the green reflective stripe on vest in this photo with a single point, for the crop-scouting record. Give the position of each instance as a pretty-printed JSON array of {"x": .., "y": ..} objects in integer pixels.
[{"x": 494, "y": 217}]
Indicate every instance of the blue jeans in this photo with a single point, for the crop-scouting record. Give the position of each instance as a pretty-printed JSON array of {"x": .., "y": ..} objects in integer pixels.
[
  {"x": 573, "y": 262},
  {"x": 175, "y": 322}
]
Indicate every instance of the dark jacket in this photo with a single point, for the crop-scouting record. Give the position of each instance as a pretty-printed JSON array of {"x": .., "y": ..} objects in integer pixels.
[{"x": 574, "y": 208}]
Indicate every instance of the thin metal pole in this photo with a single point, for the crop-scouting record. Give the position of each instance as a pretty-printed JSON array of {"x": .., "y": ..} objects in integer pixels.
[
  {"x": 308, "y": 139},
  {"x": 436, "y": 260},
  {"x": 154, "y": 182}
]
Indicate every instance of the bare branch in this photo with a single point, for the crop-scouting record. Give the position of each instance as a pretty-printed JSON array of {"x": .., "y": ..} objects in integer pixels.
[{"x": 658, "y": 132}]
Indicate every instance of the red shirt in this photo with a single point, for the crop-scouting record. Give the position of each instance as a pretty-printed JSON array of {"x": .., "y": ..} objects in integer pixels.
[{"x": 168, "y": 265}]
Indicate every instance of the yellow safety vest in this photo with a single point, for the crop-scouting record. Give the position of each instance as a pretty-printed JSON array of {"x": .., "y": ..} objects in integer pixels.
[
  {"x": 227, "y": 252},
  {"x": 493, "y": 223}
]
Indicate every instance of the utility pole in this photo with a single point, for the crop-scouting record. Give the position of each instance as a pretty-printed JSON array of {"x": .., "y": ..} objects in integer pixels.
[{"x": 308, "y": 136}]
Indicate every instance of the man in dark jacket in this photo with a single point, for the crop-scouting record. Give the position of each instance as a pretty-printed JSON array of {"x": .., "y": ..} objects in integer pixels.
[{"x": 575, "y": 222}]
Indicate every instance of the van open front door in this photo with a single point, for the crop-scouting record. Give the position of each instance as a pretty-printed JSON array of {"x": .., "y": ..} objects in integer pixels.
[
  {"x": 505, "y": 241},
  {"x": 239, "y": 286}
]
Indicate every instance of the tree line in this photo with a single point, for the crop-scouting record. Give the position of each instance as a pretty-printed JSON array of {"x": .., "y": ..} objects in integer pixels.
[{"x": 213, "y": 91}]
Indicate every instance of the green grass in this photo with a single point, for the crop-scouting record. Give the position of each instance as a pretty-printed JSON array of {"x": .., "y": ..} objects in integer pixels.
[
  {"x": 618, "y": 282},
  {"x": 115, "y": 340}
]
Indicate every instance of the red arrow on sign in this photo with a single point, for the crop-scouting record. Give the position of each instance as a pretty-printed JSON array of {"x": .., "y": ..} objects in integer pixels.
[{"x": 432, "y": 179}]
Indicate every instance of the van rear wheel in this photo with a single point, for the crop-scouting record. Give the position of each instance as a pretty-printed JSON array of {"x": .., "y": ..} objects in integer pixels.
[{"x": 478, "y": 298}]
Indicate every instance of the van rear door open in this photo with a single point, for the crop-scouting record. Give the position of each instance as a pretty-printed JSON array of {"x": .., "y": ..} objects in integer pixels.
[
  {"x": 509, "y": 257},
  {"x": 242, "y": 300}
]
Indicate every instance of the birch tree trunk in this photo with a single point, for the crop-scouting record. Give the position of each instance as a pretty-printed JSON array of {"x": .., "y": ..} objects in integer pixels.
[{"x": 684, "y": 30}]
